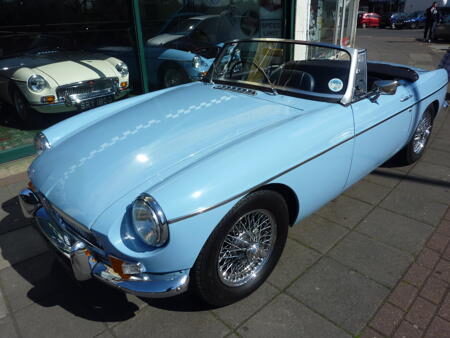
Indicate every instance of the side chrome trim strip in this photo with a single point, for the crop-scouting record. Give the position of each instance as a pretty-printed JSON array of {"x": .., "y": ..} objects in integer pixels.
[
  {"x": 200, "y": 211},
  {"x": 174, "y": 220}
]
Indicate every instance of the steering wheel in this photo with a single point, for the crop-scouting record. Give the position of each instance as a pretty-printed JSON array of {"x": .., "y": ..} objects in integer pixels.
[{"x": 241, "y": 62}]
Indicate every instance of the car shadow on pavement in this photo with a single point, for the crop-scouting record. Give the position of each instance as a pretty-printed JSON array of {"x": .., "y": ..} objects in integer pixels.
[
  {"x": 36, "y": 276},
  {"x": 186, "y": 302},
  {"x": 417, "y": 179}
]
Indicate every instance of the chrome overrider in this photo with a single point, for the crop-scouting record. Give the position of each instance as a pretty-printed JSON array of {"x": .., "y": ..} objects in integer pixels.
[{"x": 88, "y": 261}]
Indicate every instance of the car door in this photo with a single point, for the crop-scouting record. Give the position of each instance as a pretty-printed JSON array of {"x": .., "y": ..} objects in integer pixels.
[{"x": 382, "y": 128}]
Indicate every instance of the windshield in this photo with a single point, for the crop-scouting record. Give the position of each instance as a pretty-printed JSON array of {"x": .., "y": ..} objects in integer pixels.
[
  {"x": 284, "y": 66},
  {"x": 31, "y": 44}
]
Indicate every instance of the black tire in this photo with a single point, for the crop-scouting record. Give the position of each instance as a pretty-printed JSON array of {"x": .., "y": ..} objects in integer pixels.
[
  {"x": 416, "y": 146},
  {"x": 172, "y": 75},
  {"x": 28, "y": 117},
  {"x": 205, "y": 279},
  {"x": 413, "y": 26},
  {"x": 364, "y": 25}
]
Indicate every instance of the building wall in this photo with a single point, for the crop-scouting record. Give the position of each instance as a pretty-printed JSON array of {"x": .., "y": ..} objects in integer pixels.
[{"x": 419, "y": 5}]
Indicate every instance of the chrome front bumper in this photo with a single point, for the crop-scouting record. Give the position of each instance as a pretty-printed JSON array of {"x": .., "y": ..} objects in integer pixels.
[
  {"x": 88, "y": 261},
  {"x": 75, "y": 103}
]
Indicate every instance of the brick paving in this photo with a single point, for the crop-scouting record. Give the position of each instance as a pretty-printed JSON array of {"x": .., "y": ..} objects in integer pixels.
[
  {"x": 375, "y": 262},
  {"x": 420, "y": 303}
]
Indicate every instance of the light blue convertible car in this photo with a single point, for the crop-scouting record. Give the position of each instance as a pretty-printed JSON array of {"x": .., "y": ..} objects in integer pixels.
[{"x": 196, "y": 186}]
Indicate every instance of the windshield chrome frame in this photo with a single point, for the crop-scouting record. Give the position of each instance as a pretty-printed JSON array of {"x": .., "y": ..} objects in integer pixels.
[{"x": 347, "y": 98}]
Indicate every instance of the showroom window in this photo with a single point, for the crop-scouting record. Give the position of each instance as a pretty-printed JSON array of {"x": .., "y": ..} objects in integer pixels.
[{"x": 59, "y": 58}]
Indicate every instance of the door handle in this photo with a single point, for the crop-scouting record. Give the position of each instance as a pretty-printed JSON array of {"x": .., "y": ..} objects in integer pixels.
[{"x": 404, "y": 98}]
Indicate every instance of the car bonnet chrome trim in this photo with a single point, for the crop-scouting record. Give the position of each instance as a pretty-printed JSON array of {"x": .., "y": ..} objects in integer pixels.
[
  {"x": 256, "y": 187},
  {"x": 235, "y": 89}
]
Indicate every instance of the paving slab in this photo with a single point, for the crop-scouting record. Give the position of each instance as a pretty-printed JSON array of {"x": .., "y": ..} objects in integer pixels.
[
  {"x": 285, "y": 317},
  {"x": 295, "y": 259},
  {"x": 441, "y": 143},
  {"x": 7, "y": 328},
  {"x": 436, "y": 174},
  {"x": 385, "y": 178},
  {"x": 318, "y": 233},
  {"x": 19, "y": 245},
  {"x": 429, "y": 189},
  {"x": 3, "y": 308},
  {"x": 33, "y": 280},
  {"x": 339, "y": 293},
  {"x": 156, "y": 322},
  {"x": 11, "y": 217},
  {"x": 105, "y": 334},
  {"x": 437, "y": 157},
  {"x": 378, "y": 261},
  {"x": 367, "y": 191},
  {"x": 235, "y": 314},
  {"x": 396, "y": 230},
  {"x": 415, "y": 205},
  {"x": 345, "y": 211},
  {"x": 52, "y": 321}
]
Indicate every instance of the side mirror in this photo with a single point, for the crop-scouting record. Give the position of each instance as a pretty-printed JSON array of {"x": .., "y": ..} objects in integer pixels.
[{"x": 386, "y": 87}]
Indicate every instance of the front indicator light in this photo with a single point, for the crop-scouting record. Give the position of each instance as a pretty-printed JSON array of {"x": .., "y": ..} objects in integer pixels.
[
  {"x": 48, "y": 99},
  {"x": 125, "y": 269},
  {"x": 123, "y": 85}
]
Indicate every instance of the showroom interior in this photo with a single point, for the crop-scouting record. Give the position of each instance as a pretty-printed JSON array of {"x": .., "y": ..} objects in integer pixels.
[{"x": 67, "y": 49}]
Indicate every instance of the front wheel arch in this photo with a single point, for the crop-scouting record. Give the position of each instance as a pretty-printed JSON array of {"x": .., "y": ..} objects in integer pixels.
[
  {"x": 436, "y": 108},
  {"x": 289, "y": 196},
  {"x": 205, "y": 280}
]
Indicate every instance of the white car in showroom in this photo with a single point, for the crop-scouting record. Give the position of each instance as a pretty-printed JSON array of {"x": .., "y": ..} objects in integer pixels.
[{"x": 38, "y": 75}]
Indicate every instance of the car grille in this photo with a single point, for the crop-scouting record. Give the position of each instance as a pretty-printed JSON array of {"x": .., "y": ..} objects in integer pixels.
[
  {"x": 86, "y": 87},
  {"x": 70, "y": 224}
]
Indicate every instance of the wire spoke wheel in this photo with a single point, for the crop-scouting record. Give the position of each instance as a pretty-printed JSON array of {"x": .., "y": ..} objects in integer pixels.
[
  {"x": 247, "y": 247},
  {"x": 422, "y": 133}
]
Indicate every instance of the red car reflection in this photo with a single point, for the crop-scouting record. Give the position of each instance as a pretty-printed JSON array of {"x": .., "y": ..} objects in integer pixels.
[{"x": 369, "y": 20}]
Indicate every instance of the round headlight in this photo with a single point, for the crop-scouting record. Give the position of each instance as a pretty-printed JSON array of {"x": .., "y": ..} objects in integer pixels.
[
  {"x": 196, "y": 61},
  {"x": 41, "y": 143},
  {"x": 36, "y": 83},
  {"x": 122, "y": 68},
  {"x": 149, "y": 221}
]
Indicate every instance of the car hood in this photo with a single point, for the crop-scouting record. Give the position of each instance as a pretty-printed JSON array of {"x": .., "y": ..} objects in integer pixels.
[{"x": 147, "y": 143}]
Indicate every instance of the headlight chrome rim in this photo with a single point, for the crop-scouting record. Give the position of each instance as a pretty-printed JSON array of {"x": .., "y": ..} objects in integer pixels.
[
  {"x": 122, "y": 68},
  {"x": 41, "y": 143},
  {"x": 36, "y": 83},
  {"x": 156, "y": 225}
]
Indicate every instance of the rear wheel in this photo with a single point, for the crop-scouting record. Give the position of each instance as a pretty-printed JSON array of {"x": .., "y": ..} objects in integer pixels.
[
  {"x": 413, "y": 26},
  {"x": 243, "y": 250},
  {"x": 416, "y": 147},
  {"x": 364, "y": 25}
]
